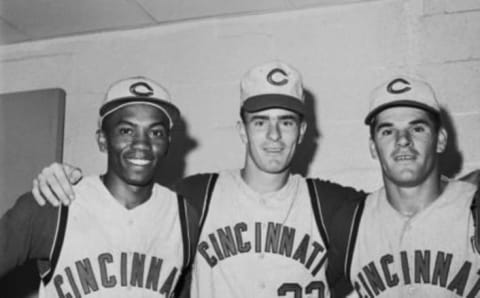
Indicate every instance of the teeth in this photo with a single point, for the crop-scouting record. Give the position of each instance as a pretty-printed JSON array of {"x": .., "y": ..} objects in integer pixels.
[
  {"x": 404, "y": 157},
  {"x": 139, "y": 162}
]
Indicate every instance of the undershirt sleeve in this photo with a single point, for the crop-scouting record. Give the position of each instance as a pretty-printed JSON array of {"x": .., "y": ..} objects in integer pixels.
[{"x": 27, "y": 232}]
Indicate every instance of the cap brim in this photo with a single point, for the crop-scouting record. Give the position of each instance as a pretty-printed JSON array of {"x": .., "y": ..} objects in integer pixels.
[
  {"x": 399, "y": 103},
  {"x": 165, "y": 106},
  {"x": 268, "y": 101}
]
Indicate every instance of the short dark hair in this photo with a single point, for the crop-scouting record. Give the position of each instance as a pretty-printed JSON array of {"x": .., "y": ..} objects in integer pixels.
[{"x": 434, "y": 117}]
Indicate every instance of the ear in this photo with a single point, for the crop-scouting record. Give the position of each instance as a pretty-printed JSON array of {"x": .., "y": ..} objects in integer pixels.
[
  {"x": 373, "y": 149},
  {"x": 242, "y": 131},
  {"x": 303, "y": 129},
  {"x": 101, "y": 140},
  {"x": 442, "y": 140}
]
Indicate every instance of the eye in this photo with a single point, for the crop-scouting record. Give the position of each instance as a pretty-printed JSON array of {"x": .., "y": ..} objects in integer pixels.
[
  {"x": 288, "y": 122},
  {"x": 419, "y": 128},
  {"x": 384, "y": 132},
  {"x": 158, "y": 132},
  {"x": 125, "y": 130},
  {"x": 258, "y": 122}
]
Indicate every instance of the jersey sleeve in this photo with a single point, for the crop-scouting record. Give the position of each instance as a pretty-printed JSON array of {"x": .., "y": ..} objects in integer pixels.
[
  {"x": 332, "y": 197},
  {"x": 197, "y": 189},
  {"x": 27, "y": 231},
  {"x": 190, "y": 223},
  {"x": 343, "y": 231}
]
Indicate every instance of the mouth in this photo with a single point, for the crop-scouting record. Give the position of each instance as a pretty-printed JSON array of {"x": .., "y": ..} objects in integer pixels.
[
  {"x": 404, "y": 157},
  {"x": 139, "y": 161},
  {"x": 273, "y": 150}
]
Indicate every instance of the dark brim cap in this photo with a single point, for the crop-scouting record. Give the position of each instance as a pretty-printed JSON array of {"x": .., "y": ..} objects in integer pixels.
[
  {"x": 400, "y": 103},
  {"x": 402, "y": 91},
  {"x": 268, "y": 101},
  {"x": 274, "y": 84},
  {"x": 138, "y": 90}
]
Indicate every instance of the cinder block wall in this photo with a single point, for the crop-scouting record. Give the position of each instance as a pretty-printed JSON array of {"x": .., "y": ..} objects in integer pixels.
[{"x": 342, "y": 52}]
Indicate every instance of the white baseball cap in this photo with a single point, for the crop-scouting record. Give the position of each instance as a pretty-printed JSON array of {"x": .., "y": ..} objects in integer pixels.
[
  {"x": 402, "y": 91},
  {"x": 137, "y": 90},
  {"x": 272, "y": 85}
]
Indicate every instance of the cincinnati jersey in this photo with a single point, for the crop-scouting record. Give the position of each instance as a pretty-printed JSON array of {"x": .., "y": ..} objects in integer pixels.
[
  {"x": 259, "y": 245},
  {"x": 427, "y": 255},
  {"x": 110, "y": 251}
]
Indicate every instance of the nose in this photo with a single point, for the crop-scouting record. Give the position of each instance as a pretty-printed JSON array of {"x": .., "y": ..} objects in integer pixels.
[
  {"x": 141, "y": 140},
  {"x": 404, "y": 139},
  {"x": 273, "y": 132}
]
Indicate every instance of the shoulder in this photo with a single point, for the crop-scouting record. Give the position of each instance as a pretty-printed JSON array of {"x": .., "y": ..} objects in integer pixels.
[
  {"x": 197, "y": 189},
  {"x": 195, "y": 186},
  {"x": 336, "y": 188},
  {"x": 26, "y": 208},
  {"x": 460, "y": 188}
]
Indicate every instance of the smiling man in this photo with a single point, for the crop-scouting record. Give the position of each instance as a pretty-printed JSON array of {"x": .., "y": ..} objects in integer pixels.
[
  {"x": 126, "y": 236},
  {"x": 415, "y": 236}
]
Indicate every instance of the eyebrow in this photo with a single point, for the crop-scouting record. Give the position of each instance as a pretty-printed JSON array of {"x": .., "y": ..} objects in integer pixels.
[
  {"x": 261, "y": 117},
  {"x": 413, "y": 122}
]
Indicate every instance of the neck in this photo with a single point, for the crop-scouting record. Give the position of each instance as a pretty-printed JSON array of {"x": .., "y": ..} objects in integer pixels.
[
  {"x": 263, "y": 182},
  {"x": 130, "y": 196},
  {"x": 409, "y": 200}
]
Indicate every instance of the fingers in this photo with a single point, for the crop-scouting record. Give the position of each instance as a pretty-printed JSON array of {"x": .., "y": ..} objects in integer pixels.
[
  {"x": 42, "y": 192},
  {"x": 36, "y": 193},
  {"x": 54, "y": 186},
  {"x": 74, "y": 174}
]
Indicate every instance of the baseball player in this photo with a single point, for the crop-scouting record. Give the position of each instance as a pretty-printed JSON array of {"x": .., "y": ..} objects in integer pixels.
[
  {"x": 264, "y": 230},
  {"x": 415, "y": 236},
  {"x": 125, "y": 236}
]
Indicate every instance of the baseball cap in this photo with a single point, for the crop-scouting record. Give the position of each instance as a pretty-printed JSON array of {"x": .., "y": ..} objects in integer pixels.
[
  {"x": 272, "y": 85},
  {"x": 402, "y": 91},
  {"x": 138, "y": 90}
]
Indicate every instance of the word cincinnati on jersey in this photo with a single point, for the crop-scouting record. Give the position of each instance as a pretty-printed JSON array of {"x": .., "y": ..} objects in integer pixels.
[
  {"x": 278, "y": 239},
  {"x": 417, "y": 267},
  {"x": 127, "y": 269}
]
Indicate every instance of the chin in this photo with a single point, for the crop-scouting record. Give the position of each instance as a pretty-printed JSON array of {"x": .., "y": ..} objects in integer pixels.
[{"x": 139, "y": 181}]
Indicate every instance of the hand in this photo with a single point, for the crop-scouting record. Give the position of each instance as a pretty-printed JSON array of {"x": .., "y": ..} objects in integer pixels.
[{"x": 54, "y": 184}]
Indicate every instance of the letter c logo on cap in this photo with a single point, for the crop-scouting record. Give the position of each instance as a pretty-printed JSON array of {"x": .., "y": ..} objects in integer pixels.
[
  {"x": 393, "y": 87},
  {"x": 141, "y": 89},
  {"x": 277, "y": 77}
]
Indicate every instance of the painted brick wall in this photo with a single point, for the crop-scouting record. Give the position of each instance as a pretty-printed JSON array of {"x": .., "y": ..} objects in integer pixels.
[{"x": 342, "y": 52}]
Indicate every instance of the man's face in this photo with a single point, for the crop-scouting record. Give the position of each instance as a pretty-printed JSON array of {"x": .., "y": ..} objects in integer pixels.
[
  {"x": 271, "y": 137},
  {"x": 136, "y": 138},
  {"x": 406, "y": 142}
]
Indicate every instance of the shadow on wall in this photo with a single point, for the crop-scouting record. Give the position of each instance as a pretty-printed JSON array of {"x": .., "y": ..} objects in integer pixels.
[
  {"x": 451, "y": 161},
  {"x": 172, "y": 168},
  {"x": 306, "y": 150}
]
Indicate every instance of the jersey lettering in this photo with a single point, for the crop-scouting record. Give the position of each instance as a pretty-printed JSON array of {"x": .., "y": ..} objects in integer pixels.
[
  {"x": 277, "y": 239},
  {"x": 429, "y": 267},
  {"x": 139, "y": 272}
]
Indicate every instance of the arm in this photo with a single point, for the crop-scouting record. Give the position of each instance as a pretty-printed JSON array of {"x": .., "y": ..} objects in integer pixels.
[
  {"x": 27, "y": 232},
  {"x": 54, "y": 184}
]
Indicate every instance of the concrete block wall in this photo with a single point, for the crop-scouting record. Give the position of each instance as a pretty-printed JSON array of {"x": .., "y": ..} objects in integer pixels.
[{"x": 342, "y": 51}]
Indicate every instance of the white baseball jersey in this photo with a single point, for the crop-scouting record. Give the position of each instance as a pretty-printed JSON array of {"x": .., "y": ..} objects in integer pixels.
[
  {"x": 427, "y": 255},
  {"x": 255, "y": 245},
  {"x": 110, "y": 251}
]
